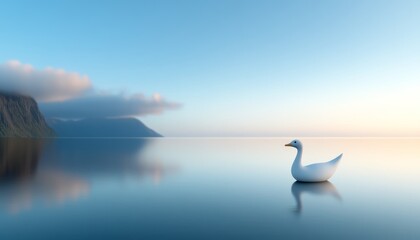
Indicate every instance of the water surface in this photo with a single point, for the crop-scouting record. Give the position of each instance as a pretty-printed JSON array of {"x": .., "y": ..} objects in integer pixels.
[{"x": 206, "y": 189}]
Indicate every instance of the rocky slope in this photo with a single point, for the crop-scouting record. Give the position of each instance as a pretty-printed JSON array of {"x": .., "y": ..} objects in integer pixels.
[{"x": 20, "y": 117}]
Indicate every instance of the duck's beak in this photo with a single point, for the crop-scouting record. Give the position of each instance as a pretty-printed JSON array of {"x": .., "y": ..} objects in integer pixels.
[{"x": 288, "y": 145}]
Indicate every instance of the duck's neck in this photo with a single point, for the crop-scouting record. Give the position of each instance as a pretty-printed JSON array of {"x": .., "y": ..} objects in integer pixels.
[{"x": 298, "y": 159}]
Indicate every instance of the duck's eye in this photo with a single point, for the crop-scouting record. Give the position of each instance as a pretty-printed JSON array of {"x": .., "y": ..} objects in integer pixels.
[{"x": 295, "y": 141}]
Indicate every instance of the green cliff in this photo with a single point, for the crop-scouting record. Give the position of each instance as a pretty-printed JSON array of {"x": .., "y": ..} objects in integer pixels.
[{"x": 20, "y": 117}]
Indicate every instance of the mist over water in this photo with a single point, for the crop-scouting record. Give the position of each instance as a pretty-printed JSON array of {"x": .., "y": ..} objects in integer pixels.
[{"x": 206, "y": 189}]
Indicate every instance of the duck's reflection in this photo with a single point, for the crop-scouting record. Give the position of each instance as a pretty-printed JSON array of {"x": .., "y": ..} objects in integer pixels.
[
  {"x": 61, "y": 170},
  {"x": 321, "y": 188}
]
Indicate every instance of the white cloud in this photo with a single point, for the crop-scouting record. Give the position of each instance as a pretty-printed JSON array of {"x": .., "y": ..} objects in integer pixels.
[
  {"x": 107, "y": 105},
  {"x": 64, "y": 94},
  {"x": 45, "y": 85}
]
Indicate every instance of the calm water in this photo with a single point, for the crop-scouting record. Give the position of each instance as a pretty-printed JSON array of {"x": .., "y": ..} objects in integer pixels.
[{"x": 206, "y": 189}]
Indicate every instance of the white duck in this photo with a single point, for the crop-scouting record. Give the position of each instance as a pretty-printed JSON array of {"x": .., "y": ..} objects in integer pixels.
[{"x": 317, "y": 172}]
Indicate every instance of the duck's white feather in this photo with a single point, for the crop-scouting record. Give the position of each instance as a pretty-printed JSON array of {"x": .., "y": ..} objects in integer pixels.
[{"x": 317, "y": 172}]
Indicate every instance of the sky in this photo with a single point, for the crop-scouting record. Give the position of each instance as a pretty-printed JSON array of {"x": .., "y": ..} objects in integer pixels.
[{"x": 221, "y": 68}]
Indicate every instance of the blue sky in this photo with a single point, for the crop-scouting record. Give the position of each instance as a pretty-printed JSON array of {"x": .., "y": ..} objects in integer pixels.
[{"x": 239, "y": 68}]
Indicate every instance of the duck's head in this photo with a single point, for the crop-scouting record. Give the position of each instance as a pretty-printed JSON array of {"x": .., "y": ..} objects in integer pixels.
[{"x": 295, "y": 143}]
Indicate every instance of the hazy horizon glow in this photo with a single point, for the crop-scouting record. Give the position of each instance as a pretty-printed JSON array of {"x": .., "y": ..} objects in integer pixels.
[{"x": 238, "y": 68}]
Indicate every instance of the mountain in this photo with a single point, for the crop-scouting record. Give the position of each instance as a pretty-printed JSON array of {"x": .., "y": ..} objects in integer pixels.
[
  {"x": 102, "y": 127},
  {"x": 20, "y": 117}
]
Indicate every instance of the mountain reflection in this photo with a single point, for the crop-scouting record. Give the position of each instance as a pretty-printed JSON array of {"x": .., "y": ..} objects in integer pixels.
[
  {"x": 60, "y": 170},
  {"x": 320, "y": 188},
  {"x": 103, "y": 157},
  {"x": 19, "y": 158}
]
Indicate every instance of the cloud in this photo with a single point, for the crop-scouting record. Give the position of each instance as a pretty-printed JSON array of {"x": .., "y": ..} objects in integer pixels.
[
  {"x": 107, "y": 105},
  {"x": 70, "y": 95},
  {"x": 45, "y": 85}
]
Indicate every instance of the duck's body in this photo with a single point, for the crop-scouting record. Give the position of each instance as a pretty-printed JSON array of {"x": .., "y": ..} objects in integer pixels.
[{"x": 317, "y": 172}]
